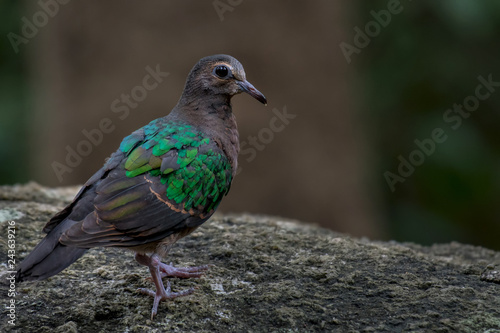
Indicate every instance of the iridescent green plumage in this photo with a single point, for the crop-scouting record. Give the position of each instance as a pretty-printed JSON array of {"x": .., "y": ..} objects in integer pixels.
[{"x": 196, "y": 174}]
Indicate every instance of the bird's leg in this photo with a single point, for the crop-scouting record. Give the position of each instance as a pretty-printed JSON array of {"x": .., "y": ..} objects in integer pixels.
[{"x": 161, "y": 293}]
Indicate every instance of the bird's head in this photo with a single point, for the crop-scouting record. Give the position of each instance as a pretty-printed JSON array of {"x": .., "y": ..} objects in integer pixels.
[{"x": 220, "y": 75}]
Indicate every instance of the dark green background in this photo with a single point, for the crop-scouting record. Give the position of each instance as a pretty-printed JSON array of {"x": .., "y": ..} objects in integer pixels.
[{"x": 424, "y": 61}]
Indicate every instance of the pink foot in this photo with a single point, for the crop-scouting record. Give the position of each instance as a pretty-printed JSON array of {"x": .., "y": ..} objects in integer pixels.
[
  {"x": 182, "y": 272},
  {"x": 158, "y": 271},
  {"x": 163, "y": 294}
]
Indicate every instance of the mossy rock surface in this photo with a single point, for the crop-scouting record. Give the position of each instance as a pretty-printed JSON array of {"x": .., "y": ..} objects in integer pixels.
[{"x": 268, "y": 275}]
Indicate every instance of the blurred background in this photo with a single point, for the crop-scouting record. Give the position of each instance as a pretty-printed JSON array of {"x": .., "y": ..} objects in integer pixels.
[{"x": 353, "y": 84}]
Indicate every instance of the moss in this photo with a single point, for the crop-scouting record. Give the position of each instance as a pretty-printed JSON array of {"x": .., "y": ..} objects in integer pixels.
[{"x": 268, "y": 274}]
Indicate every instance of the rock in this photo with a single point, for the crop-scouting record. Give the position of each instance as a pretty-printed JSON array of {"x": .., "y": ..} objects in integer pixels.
[{"x": 270, "y": 274}]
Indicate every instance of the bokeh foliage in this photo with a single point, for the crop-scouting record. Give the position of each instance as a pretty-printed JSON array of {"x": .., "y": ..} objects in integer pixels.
[
  {"x": 428, "y": 58},
  {"x": 14, "y": 99}
]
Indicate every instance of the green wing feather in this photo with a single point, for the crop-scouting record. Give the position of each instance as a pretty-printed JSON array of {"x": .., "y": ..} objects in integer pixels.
[
  {"x": 195, "y": 172},
  {"x": 165, "y": 177}
]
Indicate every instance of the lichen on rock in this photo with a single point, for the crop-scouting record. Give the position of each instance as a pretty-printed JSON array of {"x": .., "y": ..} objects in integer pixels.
[{"x": 269, "y": 275}]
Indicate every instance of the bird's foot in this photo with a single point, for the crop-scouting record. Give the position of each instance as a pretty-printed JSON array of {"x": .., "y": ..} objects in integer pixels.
[
  {"x": 158, "y": 271},
  {"x": 182, "y": 272},
  {"x": 163, "y": 294}
]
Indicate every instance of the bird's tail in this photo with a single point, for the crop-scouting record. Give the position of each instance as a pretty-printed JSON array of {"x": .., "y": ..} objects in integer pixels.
[{"x": 49, "y": 257}]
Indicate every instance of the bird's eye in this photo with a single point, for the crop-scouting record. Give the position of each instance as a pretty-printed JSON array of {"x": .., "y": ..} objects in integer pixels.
[{"x": 222, "y": 71}]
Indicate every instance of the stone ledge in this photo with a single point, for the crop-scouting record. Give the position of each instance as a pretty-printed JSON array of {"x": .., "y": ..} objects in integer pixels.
[{"x": 269, "y": 275}]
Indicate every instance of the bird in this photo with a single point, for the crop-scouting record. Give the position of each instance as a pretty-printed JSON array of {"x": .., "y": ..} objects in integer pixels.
[{"x": 164, "y": 181}]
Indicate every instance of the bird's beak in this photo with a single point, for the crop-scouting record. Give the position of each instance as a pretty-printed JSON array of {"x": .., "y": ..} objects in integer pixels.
[{"x": 250, "y": 89}]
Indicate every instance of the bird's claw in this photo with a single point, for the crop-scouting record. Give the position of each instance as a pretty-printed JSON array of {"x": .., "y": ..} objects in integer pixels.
[
  {"x": 163, "y": 294},
  {"x": 182, "y": 272},
  {"x": 158, "y": 271}
]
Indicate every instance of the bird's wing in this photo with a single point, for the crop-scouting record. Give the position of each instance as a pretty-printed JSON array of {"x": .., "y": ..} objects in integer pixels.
[
  {"x": 82, "y": 204},
  {"x": 168, "y": 180}
]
